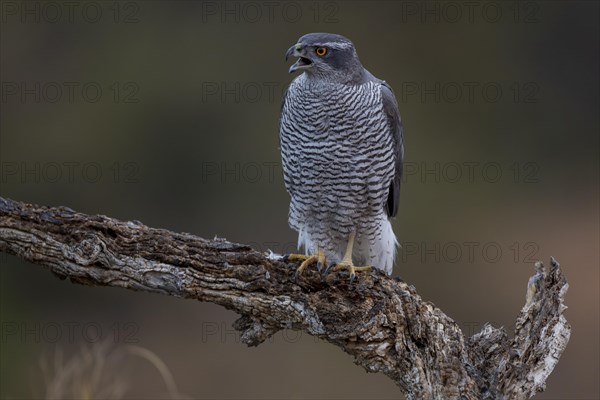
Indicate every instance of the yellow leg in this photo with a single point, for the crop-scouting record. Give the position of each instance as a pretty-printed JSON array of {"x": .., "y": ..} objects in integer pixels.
[{"x": 347, "y": 263}]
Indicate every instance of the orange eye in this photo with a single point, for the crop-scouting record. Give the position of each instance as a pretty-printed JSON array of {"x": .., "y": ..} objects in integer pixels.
[{"x": 321, "y": 51}]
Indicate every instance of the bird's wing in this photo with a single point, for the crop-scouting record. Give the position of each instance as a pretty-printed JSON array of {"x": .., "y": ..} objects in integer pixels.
[
  {"x": 390, "y": 107},
  {"x": 285, "y": 94},
  {"x": 286, "y": 177}
]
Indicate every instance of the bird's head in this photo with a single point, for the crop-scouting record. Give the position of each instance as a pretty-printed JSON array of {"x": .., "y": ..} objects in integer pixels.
[{"x": 326, "y": 56}]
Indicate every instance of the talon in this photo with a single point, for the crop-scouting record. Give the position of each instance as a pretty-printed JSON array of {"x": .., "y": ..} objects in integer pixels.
[
  {"x": 352, "y": 277},
  {"x": 327, "y": 270}
]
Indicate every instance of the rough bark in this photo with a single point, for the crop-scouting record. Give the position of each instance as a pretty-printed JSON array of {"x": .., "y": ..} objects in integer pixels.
[{"x": 379, "y": 320}]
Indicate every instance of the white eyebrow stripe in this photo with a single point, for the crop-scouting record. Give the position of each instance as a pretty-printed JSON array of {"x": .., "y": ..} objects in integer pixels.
[{"x": 335, "y": 45}]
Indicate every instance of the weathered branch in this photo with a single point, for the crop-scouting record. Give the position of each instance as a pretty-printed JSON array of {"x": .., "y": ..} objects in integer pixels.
[{"x": 379, "y": 320}]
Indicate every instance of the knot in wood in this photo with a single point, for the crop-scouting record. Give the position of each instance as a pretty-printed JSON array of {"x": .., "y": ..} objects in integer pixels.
[{"x": 88, "y": 251}]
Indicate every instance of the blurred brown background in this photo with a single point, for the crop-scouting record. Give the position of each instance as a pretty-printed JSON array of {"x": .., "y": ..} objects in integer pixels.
[{"x": 166, "y": 112}]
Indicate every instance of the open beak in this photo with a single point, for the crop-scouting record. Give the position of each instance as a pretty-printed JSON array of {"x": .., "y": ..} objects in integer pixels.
[{"x": 297, "y": 50}]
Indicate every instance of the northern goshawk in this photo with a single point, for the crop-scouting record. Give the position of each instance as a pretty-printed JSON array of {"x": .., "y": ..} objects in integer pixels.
[{"x": 342, "y": 149}]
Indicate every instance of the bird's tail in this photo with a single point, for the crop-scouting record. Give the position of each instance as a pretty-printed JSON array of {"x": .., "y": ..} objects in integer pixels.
[{"x": 382, "y": 251}]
